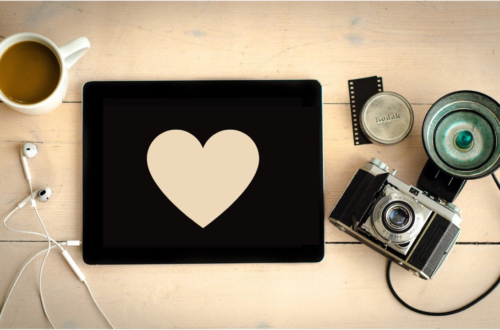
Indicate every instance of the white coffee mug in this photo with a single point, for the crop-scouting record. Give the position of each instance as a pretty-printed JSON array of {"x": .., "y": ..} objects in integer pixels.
[{"x": 67, "y": 55}]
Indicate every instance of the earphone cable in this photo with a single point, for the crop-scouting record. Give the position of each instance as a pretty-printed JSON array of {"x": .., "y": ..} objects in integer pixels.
[
  {"x": 33, "y": 257},
  {"x": 43, "y": 264},
  {"x": 33, "y": 204},
  {"x": 17, "y": 279},
  {"x": 31, "y": 188},
  {"x": 29, "y": 150},
  {"x": 26, "y": 232},
  {"x": 19, "y": 276},
  {"x": 88, "y": 288}
]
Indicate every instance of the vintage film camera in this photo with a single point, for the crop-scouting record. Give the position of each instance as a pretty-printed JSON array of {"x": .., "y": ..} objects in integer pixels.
[{"x": 403, "y": 223}]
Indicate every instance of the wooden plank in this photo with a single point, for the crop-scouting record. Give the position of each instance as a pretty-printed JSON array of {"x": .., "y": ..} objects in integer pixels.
[
  {"x": 61, "y": 126},
  {"x": 58, "y": 165},
  {"x": 346, "y": 290},
  {"x": 422, "y": 50}
]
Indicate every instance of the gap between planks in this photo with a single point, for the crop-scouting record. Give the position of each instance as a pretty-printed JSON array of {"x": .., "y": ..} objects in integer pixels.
[
  {"x": 330, "y": 103},
  {"x": 332, "y": 243}
]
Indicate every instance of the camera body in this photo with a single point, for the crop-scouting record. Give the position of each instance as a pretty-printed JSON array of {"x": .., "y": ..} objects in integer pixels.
[{"x": 402, "y": 222}]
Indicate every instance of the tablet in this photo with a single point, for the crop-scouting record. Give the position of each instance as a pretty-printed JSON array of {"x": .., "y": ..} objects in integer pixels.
[{"x": 202, "y": 172}]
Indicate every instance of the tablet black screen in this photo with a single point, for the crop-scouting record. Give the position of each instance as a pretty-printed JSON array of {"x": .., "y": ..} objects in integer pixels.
[{"x": 281, "y": 207}]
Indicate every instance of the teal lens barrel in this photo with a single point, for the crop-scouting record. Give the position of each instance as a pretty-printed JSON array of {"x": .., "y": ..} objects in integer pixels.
[{"x": 461, "y": 134}]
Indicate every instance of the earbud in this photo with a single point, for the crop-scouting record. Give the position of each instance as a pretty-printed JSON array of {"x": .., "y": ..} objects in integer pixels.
[
  {"x": 28, "y": 150},
  {"x": 42, "y": 195}
]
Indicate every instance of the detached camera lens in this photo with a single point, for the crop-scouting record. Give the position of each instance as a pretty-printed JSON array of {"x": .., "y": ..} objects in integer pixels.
[{"x": 398, "y": 217}]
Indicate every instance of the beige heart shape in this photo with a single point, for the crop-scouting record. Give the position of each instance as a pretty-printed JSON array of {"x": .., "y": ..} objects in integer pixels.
[{"x": 203, "y": 181}]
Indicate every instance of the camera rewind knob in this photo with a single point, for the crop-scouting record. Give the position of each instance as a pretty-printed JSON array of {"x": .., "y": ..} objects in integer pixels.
[{"x": 379, "y": 164}]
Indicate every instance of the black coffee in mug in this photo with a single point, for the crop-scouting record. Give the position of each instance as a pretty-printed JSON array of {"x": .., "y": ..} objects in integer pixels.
[{"x": 29, "y": 72}]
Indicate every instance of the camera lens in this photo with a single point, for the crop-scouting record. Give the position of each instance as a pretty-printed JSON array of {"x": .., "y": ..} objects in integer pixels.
[{"x": 398, "y": 217}]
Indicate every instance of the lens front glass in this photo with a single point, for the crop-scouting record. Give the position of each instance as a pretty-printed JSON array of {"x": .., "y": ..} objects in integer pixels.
[{"x": 398, "y": 217}]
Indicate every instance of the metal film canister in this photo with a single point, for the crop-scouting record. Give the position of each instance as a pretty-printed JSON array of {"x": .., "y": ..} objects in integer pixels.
[{"x": 386, "y": 118}]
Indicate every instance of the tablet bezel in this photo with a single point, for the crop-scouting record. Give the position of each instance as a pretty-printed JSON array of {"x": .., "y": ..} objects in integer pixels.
[{"x": 93, "y": 95}]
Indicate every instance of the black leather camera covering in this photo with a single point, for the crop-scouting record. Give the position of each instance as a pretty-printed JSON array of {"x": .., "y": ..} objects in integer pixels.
[
  {"x": 433, "y": 245},
  {"x": 358, "y": 197}
]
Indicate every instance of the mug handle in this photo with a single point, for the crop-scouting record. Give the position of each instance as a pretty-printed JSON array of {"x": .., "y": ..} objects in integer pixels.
[{"x": 74, "y": 50}]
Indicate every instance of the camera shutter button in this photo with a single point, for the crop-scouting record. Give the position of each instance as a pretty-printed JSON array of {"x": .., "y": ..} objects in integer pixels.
[{"x": 454, "y": 208}]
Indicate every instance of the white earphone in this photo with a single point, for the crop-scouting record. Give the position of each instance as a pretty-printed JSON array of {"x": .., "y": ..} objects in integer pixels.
[
  {"x": 42, "y": 195},
  {"x": 29, "y": 150}
]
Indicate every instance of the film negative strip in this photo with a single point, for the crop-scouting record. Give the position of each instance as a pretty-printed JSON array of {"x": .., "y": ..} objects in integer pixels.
[{"x": 360, "y": 90}]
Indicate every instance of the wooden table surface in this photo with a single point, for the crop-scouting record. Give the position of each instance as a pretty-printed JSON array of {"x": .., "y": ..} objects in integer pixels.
[{"x": 422, "y": 50}]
